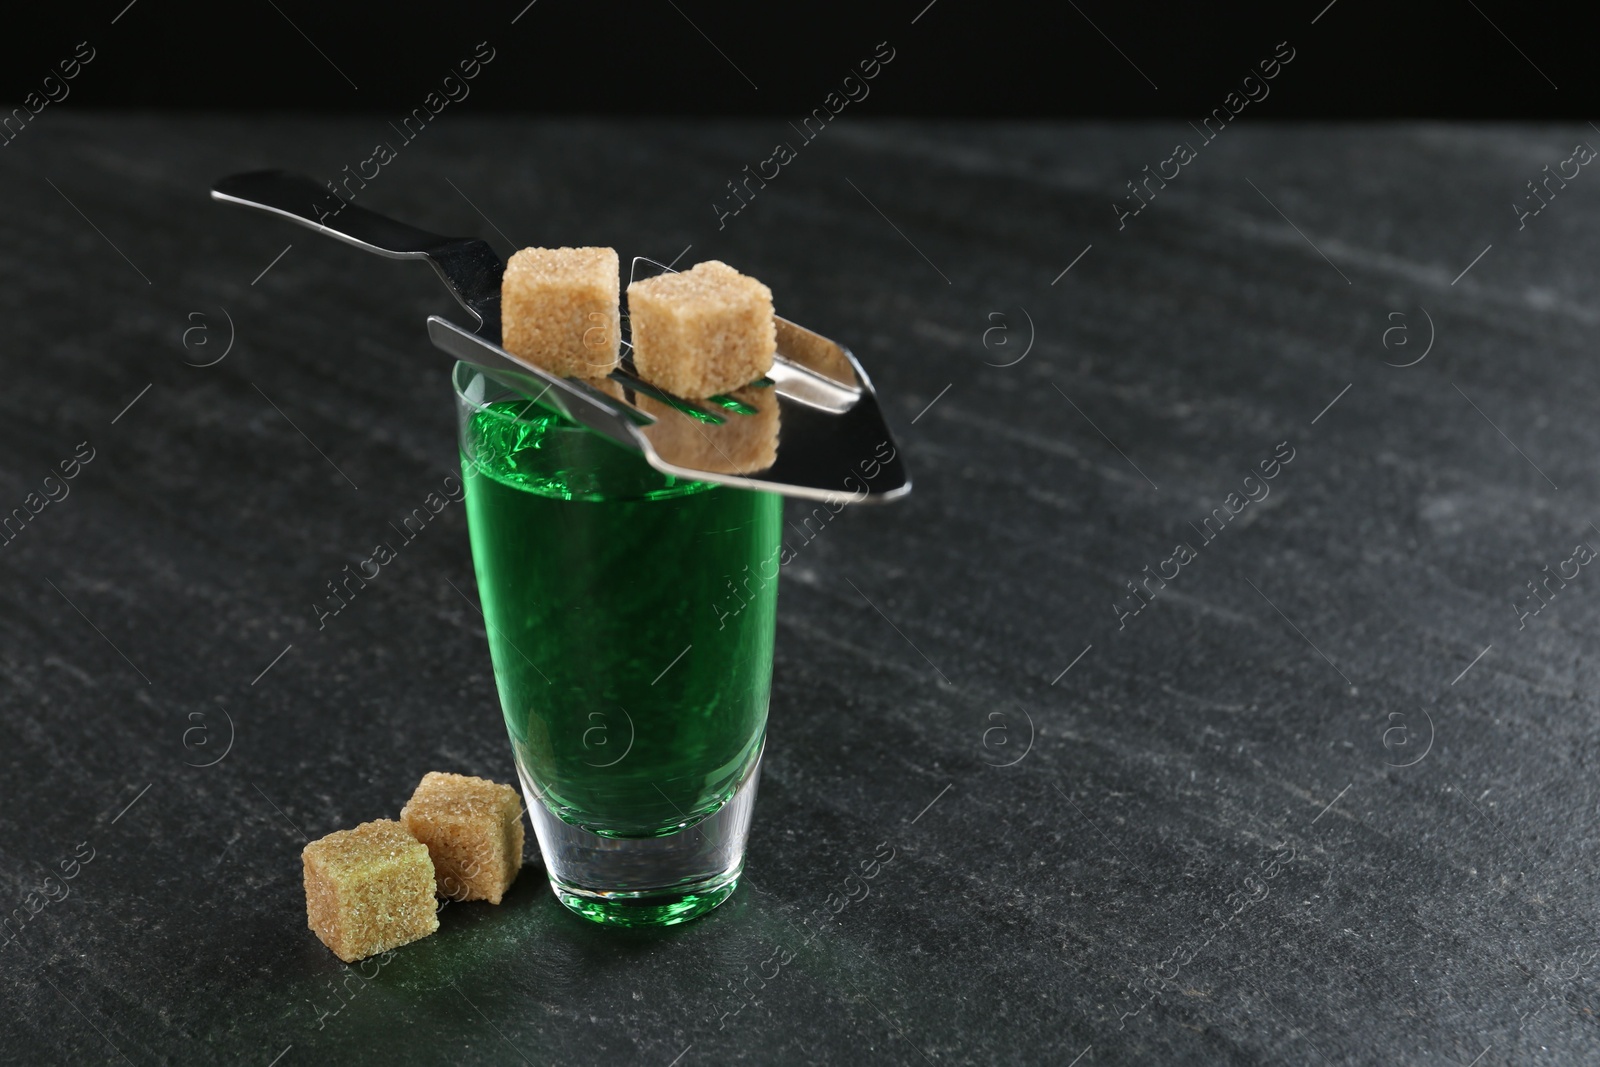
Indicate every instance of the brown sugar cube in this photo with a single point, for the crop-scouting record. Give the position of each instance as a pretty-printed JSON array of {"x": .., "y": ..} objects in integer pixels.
[
  {"x": 744, "y": 443},
  {"x": 369, "y": 889},
  {"x": 473, "y": 830},
  {"x": 702, "y": 332},
  {"x": 558, "y": 308}
]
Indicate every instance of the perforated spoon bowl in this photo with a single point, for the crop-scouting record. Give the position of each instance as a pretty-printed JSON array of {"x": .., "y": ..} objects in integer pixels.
[{"x": 833, "y": 443}]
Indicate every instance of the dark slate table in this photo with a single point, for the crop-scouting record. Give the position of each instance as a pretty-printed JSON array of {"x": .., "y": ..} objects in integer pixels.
[{"x": 1327, "y": 797}]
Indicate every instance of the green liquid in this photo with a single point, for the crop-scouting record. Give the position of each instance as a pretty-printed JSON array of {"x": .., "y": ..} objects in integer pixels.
[{"x": 596, "y": 572}]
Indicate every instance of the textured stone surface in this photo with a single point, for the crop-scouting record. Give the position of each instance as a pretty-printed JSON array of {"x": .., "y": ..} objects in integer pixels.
[{"x": 1203, "y": 760}]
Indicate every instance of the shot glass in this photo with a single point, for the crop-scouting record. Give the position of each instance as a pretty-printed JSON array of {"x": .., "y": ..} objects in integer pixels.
[{"x": 630, "y": 618}]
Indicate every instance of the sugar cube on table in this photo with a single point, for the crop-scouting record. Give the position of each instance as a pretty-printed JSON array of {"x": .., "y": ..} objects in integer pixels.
[
  {"x": 369, "y": 889},
  {"x": 704, "y": 331},
  {"x": 472, "y": 828},
  {"x": 559, "y": 309}
]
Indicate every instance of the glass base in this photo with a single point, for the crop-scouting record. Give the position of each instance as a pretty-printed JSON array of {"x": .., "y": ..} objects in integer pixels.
[
  {"x": 645, "y": 909},
  {"x": 646, "y": 881}
]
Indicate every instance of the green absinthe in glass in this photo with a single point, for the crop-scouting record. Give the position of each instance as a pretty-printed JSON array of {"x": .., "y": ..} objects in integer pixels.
[{"x": 630, "y": 618}]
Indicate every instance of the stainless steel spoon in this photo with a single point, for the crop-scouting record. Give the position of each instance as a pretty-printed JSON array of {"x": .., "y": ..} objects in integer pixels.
[{"x": 832, "y": 442}]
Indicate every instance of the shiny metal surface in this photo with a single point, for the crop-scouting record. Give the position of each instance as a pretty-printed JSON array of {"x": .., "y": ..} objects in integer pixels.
[{"x": 814, "y": 429}]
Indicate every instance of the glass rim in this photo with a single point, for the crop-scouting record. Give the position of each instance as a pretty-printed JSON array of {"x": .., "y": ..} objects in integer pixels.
[
  {"x": 482, "y": 403},
  {"x": 642, "y": 482}
]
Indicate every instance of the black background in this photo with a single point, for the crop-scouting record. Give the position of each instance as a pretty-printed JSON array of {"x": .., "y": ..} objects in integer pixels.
[{"x": 960, "y": 57}]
